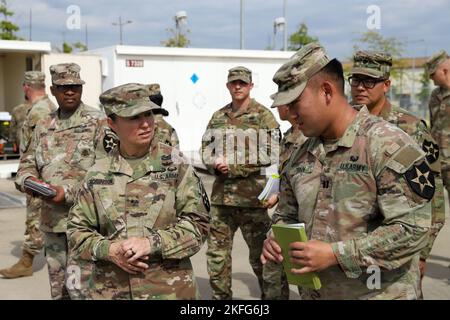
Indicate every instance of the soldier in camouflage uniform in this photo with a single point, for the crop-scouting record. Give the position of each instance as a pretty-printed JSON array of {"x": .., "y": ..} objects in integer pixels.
[
  {"x": 141, "y": 213},
  {"x": 369, "y": 81},
  {"x": 239, "y": 179},
  {"x": 40, "y": 108},
  {"x": 360, "y": 185},
  {"x": 61, "y": 150},
  {"x": 277, "y": 287},
  {"x": 438, "y": 68},
  {"x": 164, "y": 132},
  {"x": 18, "y": 115}
]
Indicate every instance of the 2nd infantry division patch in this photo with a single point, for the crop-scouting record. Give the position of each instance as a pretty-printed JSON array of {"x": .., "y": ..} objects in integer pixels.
[
  {"x": 421, "y": 180},
  {"x": 432, "y": 151},
  {"x": 110, "y": 142}
]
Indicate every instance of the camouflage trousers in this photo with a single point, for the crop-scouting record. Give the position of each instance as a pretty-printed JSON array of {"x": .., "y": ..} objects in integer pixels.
[
  {"x": 56, "y": 255},
  {"x": 276, "y": 286},
  {"x": 254, "y": 224},
  {"x": 33, "y": 237}
]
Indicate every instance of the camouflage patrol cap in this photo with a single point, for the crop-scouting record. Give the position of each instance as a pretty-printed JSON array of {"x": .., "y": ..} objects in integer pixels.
[
  {"x": 293, "y": 76},
  {"x": 435, "y": 60},
  {"x": 129, "y": 100},
  {"x": 65, "y": 74},
  {"x": 240, "y": 73},
  {"x": 34, "y": 77},
  {"x": 372, "y": 64}
]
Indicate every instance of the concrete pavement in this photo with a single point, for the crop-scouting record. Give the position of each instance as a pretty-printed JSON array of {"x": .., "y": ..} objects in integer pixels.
[{"x": 12, "y": 224}]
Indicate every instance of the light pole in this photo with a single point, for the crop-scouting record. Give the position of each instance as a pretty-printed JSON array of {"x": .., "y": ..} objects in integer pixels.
[
  {"x": 285, "y": 26},
  {"x": 278, "y": 24},
  {"x": 121, "y": 24},
  {"x": 242, "y": 24},
  {"x": 180, "y": 19}
]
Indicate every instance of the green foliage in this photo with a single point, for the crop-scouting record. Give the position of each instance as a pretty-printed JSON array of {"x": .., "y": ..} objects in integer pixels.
[
  {"x": 80, "y": 46},
  {"x": 374, "y": 41},
  {"x": 67, "y": 48},
  {"x": 177, "y": 40},
  {"x": 7, "y": 28},
  {"x": 425, "y": 90},
  {"x": 300, "y": 38}
]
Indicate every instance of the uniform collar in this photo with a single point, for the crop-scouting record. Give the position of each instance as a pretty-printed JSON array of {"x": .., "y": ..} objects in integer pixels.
[
  {"x": 444, "y": 93},
  {"x": 75, "y": 120},
  {"x": 151, "y": 163},
  {"x": 347, "y": 140},
  {"x": 386, "y": 110},
  {"x": 249, "y": 109}
]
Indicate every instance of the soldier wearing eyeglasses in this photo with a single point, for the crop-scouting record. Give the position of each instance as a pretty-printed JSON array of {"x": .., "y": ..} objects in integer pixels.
[{"x": 369, "y": 81}]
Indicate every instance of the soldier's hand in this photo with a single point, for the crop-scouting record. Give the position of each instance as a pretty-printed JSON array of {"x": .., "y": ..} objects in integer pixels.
[
  {"x": 422, "y": 268},
  {"x": 60, "y": 195},
  {"x": 118, "y": 256},
  {"x": 136, "y": 248},
  {"x": 221, "y": 164},
  {"x": 273, "y": 200},
  {"x": 271, "y": 251},
  {"x": 313, "y": 255}
]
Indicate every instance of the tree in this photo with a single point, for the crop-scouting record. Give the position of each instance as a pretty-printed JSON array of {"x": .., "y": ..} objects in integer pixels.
[
  {"x": 80, "y": 46},
  {"x": 425, "y": 90},
  {"x": 178, "y": 40},
  {"x": 7, "y": 28},
  {"x": 374, "y": 41},
  {"x": 300, "y": 38},
  {"x": 67, "y": 48}
]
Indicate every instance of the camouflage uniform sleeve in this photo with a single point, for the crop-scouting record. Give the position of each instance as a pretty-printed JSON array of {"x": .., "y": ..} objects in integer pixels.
[
  {"x": 287, "y": 209},
  {"x": 270, "y": 124},
  {"x": 27, "y": 165},
  {"x": 70, "y": 190},
  {"x": 433, "y": 157},
  {"x": 187, "y": 235},
  {"x": 433, "y": 105},
  {"x": 208, "y": 148},
  {"x": 406, "y": 219},
  {"x": 85, "y": 242},
  {"x": 13, "y": 130},
  {"x": 26, "y": 135}
]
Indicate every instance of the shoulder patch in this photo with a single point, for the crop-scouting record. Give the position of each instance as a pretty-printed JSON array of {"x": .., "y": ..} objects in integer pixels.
[
  {"x": 432, "y": 151},
  {"x": 203, "y": 193},
  {"x": 420, "y": 179},
  {"x": 404, "y": 158},
  {"x": 110, "y": 141}
]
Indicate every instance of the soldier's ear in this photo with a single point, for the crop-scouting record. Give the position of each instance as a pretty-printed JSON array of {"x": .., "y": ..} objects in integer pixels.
[{"x": 111, "y": 123}]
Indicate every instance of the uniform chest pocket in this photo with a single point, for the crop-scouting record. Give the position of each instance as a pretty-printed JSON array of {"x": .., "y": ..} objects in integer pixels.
[
  {"x": 110, "y": 213},
  {"x": 80, "y": 150},
  {"x": 161, "y": 208}
]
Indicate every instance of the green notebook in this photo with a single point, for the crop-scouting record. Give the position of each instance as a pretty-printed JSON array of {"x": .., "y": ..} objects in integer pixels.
[{"x": 286, "y": 234}]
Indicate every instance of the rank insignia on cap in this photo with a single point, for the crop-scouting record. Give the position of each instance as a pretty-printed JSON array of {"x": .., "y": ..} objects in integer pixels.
[
  {"x": 432, "y": 151},
  {"x": 420, "y": 178},
  {"x": 110, "y": 141}
]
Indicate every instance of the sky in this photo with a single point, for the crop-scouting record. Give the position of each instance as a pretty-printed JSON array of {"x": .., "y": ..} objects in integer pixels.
[{"x": 422, "y": 25}]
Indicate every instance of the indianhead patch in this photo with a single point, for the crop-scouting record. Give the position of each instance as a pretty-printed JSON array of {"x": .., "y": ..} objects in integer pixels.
[
  {"x": 432, "y": 151},
  {"x": 110, "y": 141},
  {"x": 420, "y": 178}
]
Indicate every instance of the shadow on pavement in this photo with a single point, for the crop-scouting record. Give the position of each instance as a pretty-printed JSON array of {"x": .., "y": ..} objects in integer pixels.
[{"x": 39, "y": 260}]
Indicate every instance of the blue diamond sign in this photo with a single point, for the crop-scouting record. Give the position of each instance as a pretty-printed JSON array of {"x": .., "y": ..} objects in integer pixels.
[{"x": 194, "y": 78}]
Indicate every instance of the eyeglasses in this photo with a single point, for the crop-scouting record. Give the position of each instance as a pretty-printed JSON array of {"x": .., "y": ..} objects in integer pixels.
[{"x": 366, "y": 82}]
